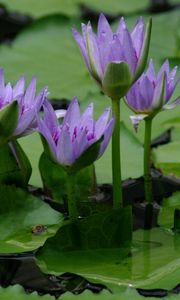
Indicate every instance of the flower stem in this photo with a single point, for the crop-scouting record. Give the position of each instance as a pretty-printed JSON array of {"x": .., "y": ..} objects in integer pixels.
[
  {"x": 116, "y": 159},
  {"x": 72, "y": 208},
  {"x": 147, "y": 161}
]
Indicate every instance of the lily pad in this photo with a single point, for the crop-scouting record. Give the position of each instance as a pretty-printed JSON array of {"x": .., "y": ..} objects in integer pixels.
[
  {"x": 21, "y": 213},
  {"x": 17, "y": 293},
  {"x": 72, "y": 7},
  {"x": 167, "y": 158},
  {"x": 48, "y": 50},
  {"x": 154, "y": 262},
  {"x": 119, "y": 6},
  {"x": 42, "y": 7},
  {"x": 128, "y": 294}
]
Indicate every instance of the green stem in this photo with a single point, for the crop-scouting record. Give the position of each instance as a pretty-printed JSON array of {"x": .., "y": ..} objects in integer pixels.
[
  {"x": 116, "y": 159},
  {"x": 72, "y": 208},
  {"x": 147, "y": 161}
]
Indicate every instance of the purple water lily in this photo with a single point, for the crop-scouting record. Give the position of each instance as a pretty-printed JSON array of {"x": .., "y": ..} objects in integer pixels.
[
  {"x": 69, "y": 140},
  {"x": 122, "y": 46},
  {"x": 28, "y": 102},
  {"x": 152, "y": 92}
]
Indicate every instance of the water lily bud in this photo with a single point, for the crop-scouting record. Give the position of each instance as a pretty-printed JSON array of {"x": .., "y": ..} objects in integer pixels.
[
  {"x": 114, "y": 59},
  {"x": 152, "y": 92}
]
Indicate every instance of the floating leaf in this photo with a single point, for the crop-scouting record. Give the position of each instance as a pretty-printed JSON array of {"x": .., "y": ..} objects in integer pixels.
[
  {"x": 102, "y": 239},
  {"x": 20, "y": 214},
  {"x": 71, "y": 7},
  {"x": 153, "y": 263},
  {"x": 48, "y": 50},
  {"x": 16, "y": 292},
  {"x": 43, "y": 7},
  {"x": 128, "y": 294}
]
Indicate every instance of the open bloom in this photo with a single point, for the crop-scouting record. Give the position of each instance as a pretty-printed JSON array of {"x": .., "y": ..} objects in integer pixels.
[
  {"x": 114, "y": 59},
  {"x": 152, "y": 92},
  {"x": 75, "y": 136},
  {"x": 28, "y": 102}
]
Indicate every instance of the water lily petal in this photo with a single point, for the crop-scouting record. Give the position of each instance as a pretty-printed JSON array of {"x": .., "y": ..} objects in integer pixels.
[
  {"x": 164, "y": 69},
  {"x": 136, "y": 120},
  {"x": 64, "y": 150},
  {"x": 2, "y": 82},
  {"x": 151, "y": 71},
  {"x": 44, "y": 130},
  {"x": 107, "y": 135},
  {"x": 18, "y": 89},
  {"x": 86, "y": 122},
  {"x": 82, "y": 46},
  {"x": 8, "y": 94},
  {"x": 120, "y": 28},
  {"x": 137, "y": 36},
  {"x": 30, "y": 93},
  {"x": 49, "y": 117},
  {"x": 72, "y": 116},
  {"x": 129, "y": 52},
  {"x": 147, "y": 91},
  {"x": 104, "y": 38},
  {"x": 93, "y": 53},
  {"x": 101, "y": 123},
  {"x": 25, "y": 121},
  {"x": 172, "y": 104}
]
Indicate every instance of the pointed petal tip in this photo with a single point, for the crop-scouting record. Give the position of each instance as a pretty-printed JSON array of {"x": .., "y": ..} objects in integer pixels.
[
  {"x": 34, "y": 78},
  {"x": 74, "y": 32},
  {"x": 102, "y": 17},
  {"x": 75, "y": 100},
  {"x": 136, "y": 119}
]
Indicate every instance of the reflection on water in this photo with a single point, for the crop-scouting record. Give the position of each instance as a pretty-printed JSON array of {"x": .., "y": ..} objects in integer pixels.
[
  {"x": 155, "y": 257},
  {"x": 24, "y": 271},
  {"x": 154, "y": 263}
]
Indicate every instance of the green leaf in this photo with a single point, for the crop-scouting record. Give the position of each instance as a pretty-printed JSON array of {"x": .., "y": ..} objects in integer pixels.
[
  {"x": 167, "y": 158},
  {"x": 102, "y": 238},
  {"x": 166, "y": 216},
  {"x": 48, "y": 47},
  {"x": 16, "y": 292},
  {"x": 33, "y": 154},
  {"x": 123, "y": 7},
  {"x": 8, "y": 121},
  {"x": 71, "y": 7},
  {"x": 128, "y": 294},
  {"x": 20, "y": 212},
  {"x": 153, "y": 263},
  {"x": 55, "y": 183},
  {"x": 43, "y": 7},
  {"x": 15, "y": 166},
  {"x": 117, "y": 80}
]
